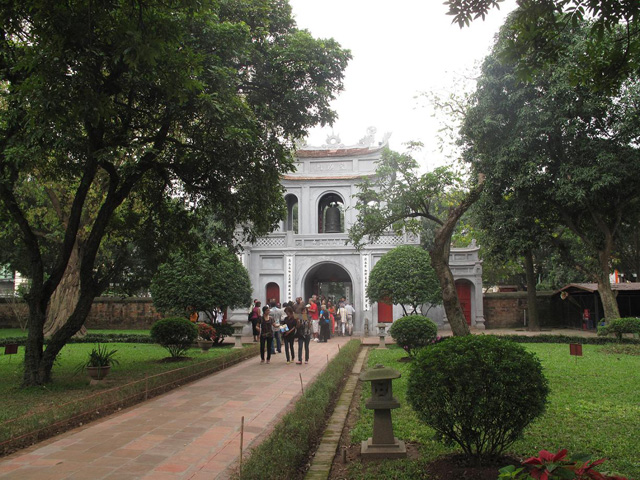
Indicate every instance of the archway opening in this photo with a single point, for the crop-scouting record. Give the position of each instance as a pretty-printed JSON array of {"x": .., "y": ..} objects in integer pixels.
[{"x": 328, "y": 279}]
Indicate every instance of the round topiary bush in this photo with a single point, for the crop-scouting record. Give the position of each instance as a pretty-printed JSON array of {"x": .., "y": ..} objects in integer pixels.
[
  {"x": 477, "y": 391},
  {"x": 176, "y": 334},
  {"x": 619, "y": 326},
  {"x": 413, "y": 332}
]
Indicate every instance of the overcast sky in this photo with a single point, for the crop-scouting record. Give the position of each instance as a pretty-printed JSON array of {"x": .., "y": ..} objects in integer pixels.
[{"x": 400, "y": 49}]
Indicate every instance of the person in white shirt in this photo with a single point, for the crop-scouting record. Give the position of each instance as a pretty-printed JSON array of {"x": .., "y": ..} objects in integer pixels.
[
  {"x": 276, "y": 314},
  {"x": 350, "y": 312}
]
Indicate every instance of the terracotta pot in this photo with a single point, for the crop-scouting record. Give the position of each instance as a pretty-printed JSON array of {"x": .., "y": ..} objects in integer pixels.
[
  {"x": 205, "y": 345},
  {"x": 98, "y": 373}
]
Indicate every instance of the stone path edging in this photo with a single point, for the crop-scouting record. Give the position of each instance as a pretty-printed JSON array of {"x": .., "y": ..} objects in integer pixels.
[{"x": 323, "y": 459}]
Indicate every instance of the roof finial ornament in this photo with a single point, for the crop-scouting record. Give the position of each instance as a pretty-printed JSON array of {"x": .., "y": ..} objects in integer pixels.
[
  {"x": 369, "y": 138},
  {"x": 333, "y": 140}
]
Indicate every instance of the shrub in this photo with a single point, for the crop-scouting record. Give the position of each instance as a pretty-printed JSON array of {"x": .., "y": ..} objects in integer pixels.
[
  {"x": 618, "y": 326},
  {"x": 477, "y": 391},
  {"x": 222, "y": 330},
  {"x": 176, "y": 334},
  {"x": 206, "y": 331},
  {"x": 413, "y": 332}
]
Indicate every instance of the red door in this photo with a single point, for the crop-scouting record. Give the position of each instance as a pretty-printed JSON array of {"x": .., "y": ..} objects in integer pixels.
[
  {"x": 385, "y": 313},
  {"x": 273, "y": 291},
  {"x": 464, "y": 296}
]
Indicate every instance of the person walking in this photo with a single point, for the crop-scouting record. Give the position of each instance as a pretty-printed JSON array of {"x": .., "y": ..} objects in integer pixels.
[
  {"x": 305, "y": 330},
  {"x": 289, "y": 334},
  {"x": 341, "y": 316},
  {"x": 266, "y": 334},
  {"x": 254, "y": 318},
  {"x": 313, "y": 311},
  {"x": 350, "y": 312},
  {"x": 325, "y": 324},
  {"x": 276, "y": 314}
]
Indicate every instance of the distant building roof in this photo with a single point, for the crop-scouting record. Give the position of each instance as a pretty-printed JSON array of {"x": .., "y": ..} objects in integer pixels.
[{"x": 335, "y": 152}]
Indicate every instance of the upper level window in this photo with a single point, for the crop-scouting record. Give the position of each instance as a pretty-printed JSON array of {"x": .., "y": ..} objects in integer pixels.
[
  {"x": 291, "y": 222},
  {"x": 331, "y": 214}
]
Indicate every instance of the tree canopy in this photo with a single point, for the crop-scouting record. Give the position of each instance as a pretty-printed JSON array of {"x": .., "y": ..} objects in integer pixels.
[
  {"x": 404, "y": 276},
  {"x": 200, "y": 281},
  {"x": 537, "y": 27},
  {"x": 195, "y": 101},
  {"x": 556, "y": 155}
]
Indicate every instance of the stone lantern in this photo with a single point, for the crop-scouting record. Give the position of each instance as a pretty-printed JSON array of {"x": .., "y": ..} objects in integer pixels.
[
  {"x": 237, "y": 333},
  {"x": 382, "y": 327},
  {"x": 383, "y": 444}
]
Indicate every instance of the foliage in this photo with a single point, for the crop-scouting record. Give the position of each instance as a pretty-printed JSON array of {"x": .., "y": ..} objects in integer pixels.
[
  {"x": 404, "y": 276},
  {"x": 479, "y": 392},
  {"x": 413, "y": 332},
  {"x": 592, "y": 407},
  {"x": 549, "y": 466},
  {"x": 398, "y": 197},
  {"x": 99, "y": 356},
  {"x": 223, "y": 330},
  {"x": 559, "y": 159},
  {"x": 620, "y": 326},
  {"x": 200, "y": 281},
  {"x": 175, "y": 334},
  {"x": 536, "y": 29},
  {"x": 293, "y": 436},
  {"x": 199, "y": 102},
  {"x": 206, "y": 331}
]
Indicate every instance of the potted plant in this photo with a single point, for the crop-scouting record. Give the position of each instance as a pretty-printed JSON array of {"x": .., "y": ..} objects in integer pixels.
[
  {"x": 99, "y": 362},
  {"x": 206, "y": 336}
]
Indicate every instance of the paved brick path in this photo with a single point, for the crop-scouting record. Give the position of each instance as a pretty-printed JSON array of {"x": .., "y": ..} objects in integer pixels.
[{"x": 190, "y": 433}]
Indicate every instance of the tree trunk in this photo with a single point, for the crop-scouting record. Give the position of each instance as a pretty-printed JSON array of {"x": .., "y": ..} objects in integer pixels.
[
  {"x": 450, "y": 301},
  {"x": 609, "y": 300},
  {"x": 440, "y": 261},
  {"x": 65, "y": 297},
  {"x": 532, "y": 300}
]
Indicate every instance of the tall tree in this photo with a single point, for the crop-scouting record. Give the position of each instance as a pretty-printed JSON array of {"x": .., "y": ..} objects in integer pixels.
[
  {"x": 202, "y": 99},
  {"x": 201, "y": 281},
  {"x": 398, "y": 197},
  {"x": 565, "y": 153}
]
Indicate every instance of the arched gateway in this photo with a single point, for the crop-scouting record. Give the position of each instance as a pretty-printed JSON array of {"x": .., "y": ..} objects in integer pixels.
[{"x": 310, "y": 253}]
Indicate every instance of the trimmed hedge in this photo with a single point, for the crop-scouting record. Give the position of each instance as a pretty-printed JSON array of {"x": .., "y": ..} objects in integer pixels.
[
  {"x": 90, "y": 338},
  {"x": 286, "y": 450},
  {"x": 479, "y": 392},
  {"x": 620, "y": 326},
  {"x": 413, "y": 332},
  {"x": 546, "y": 338},
  {"x": 176, "y": 334}
]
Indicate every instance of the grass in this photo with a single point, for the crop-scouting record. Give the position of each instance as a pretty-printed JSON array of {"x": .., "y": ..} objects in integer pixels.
[
  {"x": 593, "y": 408},
  {"x": 140, "y": 371},
  {"x": 17, "y": 332}
]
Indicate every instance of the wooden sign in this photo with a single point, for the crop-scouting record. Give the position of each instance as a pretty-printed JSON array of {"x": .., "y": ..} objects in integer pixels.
[
  {"x": 575, "y": 349},
  {"x": 11, "y": 349}
]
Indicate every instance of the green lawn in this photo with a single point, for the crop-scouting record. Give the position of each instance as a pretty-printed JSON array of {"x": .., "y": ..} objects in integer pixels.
[
  {"x": 594, "y": 407},
  {"x": 140, "y": 368}
]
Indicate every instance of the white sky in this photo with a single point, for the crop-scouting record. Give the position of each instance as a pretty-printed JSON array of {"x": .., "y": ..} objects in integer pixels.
[{"x": 400, "y": 49}]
